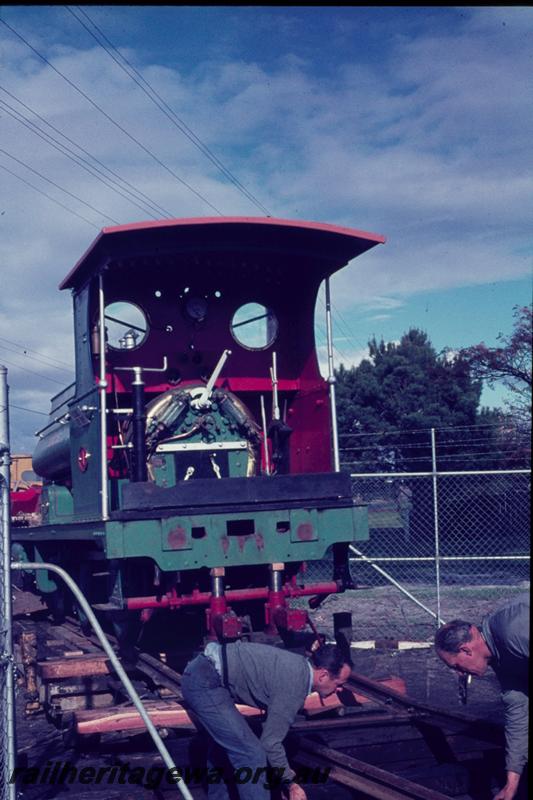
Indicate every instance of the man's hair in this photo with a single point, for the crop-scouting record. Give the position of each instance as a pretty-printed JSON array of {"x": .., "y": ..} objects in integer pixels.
[
  {"x": 331, "y": 657},
  {"x": 452, "y": 636}
]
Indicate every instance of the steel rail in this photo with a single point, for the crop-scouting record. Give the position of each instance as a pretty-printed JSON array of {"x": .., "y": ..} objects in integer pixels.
[
  {"x": 146, "y": 663},
  {"x": 489, "y": 731},
  {"x": 366, "y": 778}
]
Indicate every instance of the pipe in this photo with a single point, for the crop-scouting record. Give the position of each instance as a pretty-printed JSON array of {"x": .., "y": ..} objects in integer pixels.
[
  {"x": 276, "y": 578},
  {"x": 274, "y": 379},
  {"x": 276, "y": 597},
  {"x": 140, "y": 471},
  {"x": 102, "y": 392},
  {"x": 117, "y": 666},
  {"x": 331, "y": 381},
  {"x": 170, "y": 600},
  {"x": 265, "y": 436},
  {"x": 6, "y": 653},
  {"x": 218, "y": 606}
]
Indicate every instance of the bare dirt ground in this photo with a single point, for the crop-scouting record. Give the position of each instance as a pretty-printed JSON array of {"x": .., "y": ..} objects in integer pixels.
[
  {"x": 385, "y": 611},
  {"x": 383, "y": 616}
]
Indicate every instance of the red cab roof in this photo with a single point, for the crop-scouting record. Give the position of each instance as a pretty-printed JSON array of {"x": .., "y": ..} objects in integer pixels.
[{"x": 319, "y": 240}]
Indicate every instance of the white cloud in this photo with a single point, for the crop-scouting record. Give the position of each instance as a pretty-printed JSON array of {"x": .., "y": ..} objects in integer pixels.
[
  {"x": 376, "y": 303},
  {"x": 427, "y": 145},
  {"x": 349, "y": 356}
]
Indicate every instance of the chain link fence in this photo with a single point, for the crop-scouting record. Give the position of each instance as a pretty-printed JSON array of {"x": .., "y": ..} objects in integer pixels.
[{"x": 436, "y": 536}]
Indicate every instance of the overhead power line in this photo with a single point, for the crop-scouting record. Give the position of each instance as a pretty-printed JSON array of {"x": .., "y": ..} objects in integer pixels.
[
  {"x": 79, "y": 160},
  {"x": 61, "y": 364},
  {"x": 61, "y": 188},
  {"x": 113, "y": 121},
  {"x": 347, "y": 334},
  {"x": 323, "y": 334},
  {"x": 40, "y": 191},
  {"x": 26, "y": 354},
  {"x": 32, "y": 372},
  {"x": 29, "y": 410},
  {"x": 343, "y": 324},
  {"x": 163, "y": 106}
]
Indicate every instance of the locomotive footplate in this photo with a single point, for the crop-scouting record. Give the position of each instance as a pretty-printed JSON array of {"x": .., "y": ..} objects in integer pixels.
[{"x": 318, "y": 490}]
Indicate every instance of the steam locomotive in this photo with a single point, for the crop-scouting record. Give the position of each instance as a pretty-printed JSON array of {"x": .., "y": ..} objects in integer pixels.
[{"x": 188, "y": 468}]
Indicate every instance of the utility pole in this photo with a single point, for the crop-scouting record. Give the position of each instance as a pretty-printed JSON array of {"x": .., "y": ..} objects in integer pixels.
[{"x": 7, "y": 695}]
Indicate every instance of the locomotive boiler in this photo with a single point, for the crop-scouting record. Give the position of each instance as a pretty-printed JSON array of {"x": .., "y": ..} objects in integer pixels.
[{"x": 188, "y": 468}]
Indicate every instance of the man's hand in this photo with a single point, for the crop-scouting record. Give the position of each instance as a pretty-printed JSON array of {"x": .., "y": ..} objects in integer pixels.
[
  {"x": 508, "y": 791},
  {"x": 294, "y": 792}
]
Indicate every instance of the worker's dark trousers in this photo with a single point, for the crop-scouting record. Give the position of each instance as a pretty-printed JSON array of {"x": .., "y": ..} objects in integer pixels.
[{"x": 214, "y": 708}]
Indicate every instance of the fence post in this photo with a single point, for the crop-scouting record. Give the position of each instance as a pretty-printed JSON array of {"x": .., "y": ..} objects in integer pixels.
[
  {"x": 7, "y": 695},
  {"x": 436, "y": 520}
]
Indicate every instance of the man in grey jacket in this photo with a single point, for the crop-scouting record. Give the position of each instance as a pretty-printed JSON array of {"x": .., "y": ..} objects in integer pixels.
[
  {"x": 274, "y": 680},
  {"x": 502, "y": 642}
]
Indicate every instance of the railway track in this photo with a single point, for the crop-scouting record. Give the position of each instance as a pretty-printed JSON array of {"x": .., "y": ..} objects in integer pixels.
[{"x": 378, "y": 743}]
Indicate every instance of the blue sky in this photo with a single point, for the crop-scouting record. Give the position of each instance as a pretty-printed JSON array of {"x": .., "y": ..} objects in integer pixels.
[
  {"x": 453, "y": 318},
  {"x": 410, "y": 122}
]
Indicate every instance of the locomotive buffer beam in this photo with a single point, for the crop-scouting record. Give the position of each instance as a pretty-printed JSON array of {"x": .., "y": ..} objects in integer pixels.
[{"x": 319, "y": 490}]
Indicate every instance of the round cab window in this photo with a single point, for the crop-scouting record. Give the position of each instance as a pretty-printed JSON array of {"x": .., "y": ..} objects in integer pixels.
[
  {"x": 126, "y": 326},
  {"x": 254, "y": 326}
]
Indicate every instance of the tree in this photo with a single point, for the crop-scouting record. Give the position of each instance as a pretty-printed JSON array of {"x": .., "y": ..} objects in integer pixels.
[
  {"x": 509, "y": 363},
  {"x": 400, "y": 392},
  {"x": 386, "y": 406}
]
